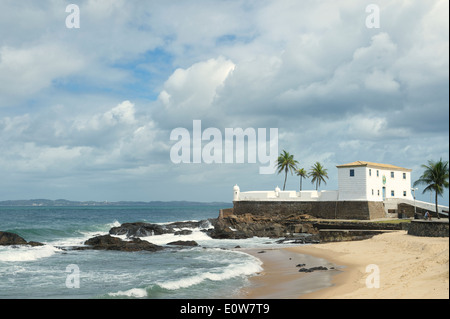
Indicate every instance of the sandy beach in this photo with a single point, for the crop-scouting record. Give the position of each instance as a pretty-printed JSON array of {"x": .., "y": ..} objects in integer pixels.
[{"x": 401, "y": 266}]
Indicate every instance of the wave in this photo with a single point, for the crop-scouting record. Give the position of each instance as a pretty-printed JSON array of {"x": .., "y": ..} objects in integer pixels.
[
  {"x": 241, "y": 268},
  {"x": 131, "y": 293},
  {"x": 26, "y": 253}
]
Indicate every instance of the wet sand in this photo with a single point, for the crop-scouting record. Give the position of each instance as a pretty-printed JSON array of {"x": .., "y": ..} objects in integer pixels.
[
  {"x": 408, "y": 267},
  {"x": 281, "y": 278}
]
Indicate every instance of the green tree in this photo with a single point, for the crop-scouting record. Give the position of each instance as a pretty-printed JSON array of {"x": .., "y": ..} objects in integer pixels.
[
  {"x": 435, "y": 177},
  {"x": 286, "y": 162},
  {"x": 318, "y": 174},
  {"x": 303, "y": 174}
]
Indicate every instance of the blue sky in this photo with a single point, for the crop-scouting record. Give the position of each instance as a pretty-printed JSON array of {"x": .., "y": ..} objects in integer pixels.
[{"x": 86, "y": 114}]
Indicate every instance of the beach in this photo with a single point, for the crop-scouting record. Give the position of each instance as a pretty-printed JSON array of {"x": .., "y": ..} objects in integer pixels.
[{"x": 393, "y": 265}]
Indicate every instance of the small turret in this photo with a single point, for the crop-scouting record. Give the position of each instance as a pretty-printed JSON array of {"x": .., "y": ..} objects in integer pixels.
[
  {"x": 277, "y": 191},
  {"x": 236, "y": 191}
]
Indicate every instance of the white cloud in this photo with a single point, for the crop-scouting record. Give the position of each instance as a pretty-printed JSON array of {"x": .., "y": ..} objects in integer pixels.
[
  {"x": 26, "y": 71},
  {"x": 191, "y": 92}
]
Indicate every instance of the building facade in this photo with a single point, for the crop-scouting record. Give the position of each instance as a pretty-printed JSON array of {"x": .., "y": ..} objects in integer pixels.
[{"x": 373, "y": 182}]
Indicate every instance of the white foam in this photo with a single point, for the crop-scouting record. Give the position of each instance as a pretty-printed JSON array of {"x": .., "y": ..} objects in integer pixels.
[
  {"x": 133, "y": 293},
  {"x": 196, "y": 235},
  {"x": 26, "y": 253},
  {"x": 246, "y": 267}
]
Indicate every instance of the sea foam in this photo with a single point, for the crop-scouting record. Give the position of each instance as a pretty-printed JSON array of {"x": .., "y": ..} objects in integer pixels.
[
  {"x": 26, "y": 253},
  {"x": 244, "y": 267}
]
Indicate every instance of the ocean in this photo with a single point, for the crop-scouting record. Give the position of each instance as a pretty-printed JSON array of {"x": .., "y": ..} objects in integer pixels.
[{"x": 212, "y": 270}]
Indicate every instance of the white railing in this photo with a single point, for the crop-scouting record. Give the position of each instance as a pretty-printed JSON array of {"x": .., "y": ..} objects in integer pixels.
[{"x": 288, "y": 195}]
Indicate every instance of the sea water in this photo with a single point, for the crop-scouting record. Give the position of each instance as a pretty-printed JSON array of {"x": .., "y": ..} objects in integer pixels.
[{"x": 212, "y": 270}]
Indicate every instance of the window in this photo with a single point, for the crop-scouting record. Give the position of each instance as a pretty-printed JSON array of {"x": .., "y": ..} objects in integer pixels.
[
  {"x": 404, "y": 193},
  {"x": 378, "y": 173},
  {"x": 404, "y": 175},
  {"x": 378, "y": 192},
  {"x": 370, "y": 173},
  {"x": 392, "y": 193},
  {"x": 372, "y": 191},
  {"x": 352, "y": 172},
  {"x": 392, "y": 174}
]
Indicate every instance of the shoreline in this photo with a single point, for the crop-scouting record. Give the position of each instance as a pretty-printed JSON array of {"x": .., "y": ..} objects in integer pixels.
[
  {"x": 280, "y": 277},
  {"x": 409, "y": 267}
]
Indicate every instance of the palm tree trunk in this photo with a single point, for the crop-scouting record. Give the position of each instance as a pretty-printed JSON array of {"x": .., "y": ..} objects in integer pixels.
[
  {"x": 437, "y": 208},
  {"x": 285, "y": 178},
  {"x": 301, "y": 178}
]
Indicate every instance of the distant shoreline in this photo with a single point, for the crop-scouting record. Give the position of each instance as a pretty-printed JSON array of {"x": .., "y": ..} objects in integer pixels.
[{"x": 66, "y": 203}]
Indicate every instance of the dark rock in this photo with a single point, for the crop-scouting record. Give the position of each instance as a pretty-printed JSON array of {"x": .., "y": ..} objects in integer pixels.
[
  {"x": 300, "y": 265},
  {"x": 141, "y": 229},
  {"x": 107, "y": 242},
  {"x": 138, "y": 230},
  {"x": 35, "y": 244},
  {"x": 183, "y": 232},
  {"x": 190, "y": 243},
  {"x": 312, "y": 269},
  {"x": 11, "y": 239},
  {"x": 7, "y": 239}
]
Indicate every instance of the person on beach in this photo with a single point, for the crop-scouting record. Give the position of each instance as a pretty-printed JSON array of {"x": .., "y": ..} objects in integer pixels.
[{"x": 427, "y": 215}]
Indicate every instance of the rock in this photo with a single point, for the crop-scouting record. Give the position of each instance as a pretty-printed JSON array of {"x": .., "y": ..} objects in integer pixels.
[
  {"x": 183, "y": 232},
  {"x": 11, "y": 239},
  {"x": 138, "y": 230},
  {"x": 312, "y": 269},
  {"x": 107, "y": 242},
  {"x": 7, "y": 239},
  {"x": 190, "y": 243},
  {"x": 141, "y": 229},
  {"x": 35, "y": 244},
  {"x": 300, "y": 265}
]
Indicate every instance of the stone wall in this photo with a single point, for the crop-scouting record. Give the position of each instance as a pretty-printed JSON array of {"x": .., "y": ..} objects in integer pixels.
[
  {"x": 362, "y": 210},
  {"x": 408, "y": 210},
  {"x": 424, "y": 228}
]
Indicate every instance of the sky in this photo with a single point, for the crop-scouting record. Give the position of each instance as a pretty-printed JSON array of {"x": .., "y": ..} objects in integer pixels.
[{"x": 87, "y": 111}]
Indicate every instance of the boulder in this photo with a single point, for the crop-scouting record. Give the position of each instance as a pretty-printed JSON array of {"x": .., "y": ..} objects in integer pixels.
[
  {"x": 108, "y": 242},
  {"x": 11, "y": 239},
  {"x": 191, "y": 243},
  {"x": 7, "y": 239}
]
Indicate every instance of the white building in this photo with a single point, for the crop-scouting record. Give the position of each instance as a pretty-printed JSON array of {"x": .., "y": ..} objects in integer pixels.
[
  {"x": 373, "y": 182},
  {"x": 381, "y": 184},
  {"x": 358, "y": 181}
]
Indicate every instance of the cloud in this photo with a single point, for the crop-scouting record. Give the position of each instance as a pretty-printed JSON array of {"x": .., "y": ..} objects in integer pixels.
[
  {"x": 190, "y": 93},
  {"x": 26, "y": 71},
  {"x": 100, "y": 102}
]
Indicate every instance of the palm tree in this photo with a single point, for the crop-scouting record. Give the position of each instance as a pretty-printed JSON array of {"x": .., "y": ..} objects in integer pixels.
[
  {"x": 286, "y": 162},
  {"x": 318, "y": 174},
  {"x": 303, "y": 174},
  {"x": 435, "y": 176}
]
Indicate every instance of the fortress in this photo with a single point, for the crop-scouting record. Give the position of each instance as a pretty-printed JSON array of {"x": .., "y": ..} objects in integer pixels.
[{"x": 366, "y": 191}]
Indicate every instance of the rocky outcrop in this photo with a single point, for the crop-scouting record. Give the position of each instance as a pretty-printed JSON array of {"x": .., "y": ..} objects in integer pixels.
[
  {"x": 7, "y": 239},
  {"x": 249, "y": 225},
  {"x": 108, "y": 242},
  {"x": 140, "y": 229}
]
